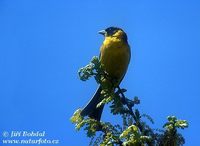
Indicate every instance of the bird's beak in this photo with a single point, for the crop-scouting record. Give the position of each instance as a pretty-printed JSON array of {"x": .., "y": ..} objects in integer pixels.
[{"x": 103, "y": 32}]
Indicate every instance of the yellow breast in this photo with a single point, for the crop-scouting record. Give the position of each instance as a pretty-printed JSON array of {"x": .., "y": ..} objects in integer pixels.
[{"x": 115, "y": 56}]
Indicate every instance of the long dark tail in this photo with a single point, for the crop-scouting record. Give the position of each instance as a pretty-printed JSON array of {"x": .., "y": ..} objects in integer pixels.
[{"x": 90, "y": 109}]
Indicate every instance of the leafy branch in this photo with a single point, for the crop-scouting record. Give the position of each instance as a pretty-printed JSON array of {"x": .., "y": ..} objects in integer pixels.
[{"x": 134, "y": 130}]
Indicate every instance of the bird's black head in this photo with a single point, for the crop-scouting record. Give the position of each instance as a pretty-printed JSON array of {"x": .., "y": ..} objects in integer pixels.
[{"x": 114, "y": 32}]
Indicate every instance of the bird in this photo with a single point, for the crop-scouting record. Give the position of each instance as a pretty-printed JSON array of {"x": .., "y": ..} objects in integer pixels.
[{"x": 115, "y": 55}]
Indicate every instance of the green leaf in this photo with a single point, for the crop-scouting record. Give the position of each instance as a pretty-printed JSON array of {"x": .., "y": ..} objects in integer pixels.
[
  {"x": 130, "y": 130},
  {"x": 76, "y": 116}
]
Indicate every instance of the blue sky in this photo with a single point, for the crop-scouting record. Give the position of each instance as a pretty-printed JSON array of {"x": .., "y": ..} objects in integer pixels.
[{"x": 44, "y": 43}]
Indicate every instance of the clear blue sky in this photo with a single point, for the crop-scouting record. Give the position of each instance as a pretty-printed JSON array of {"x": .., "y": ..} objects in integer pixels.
[{"x": 44, "y": 43}]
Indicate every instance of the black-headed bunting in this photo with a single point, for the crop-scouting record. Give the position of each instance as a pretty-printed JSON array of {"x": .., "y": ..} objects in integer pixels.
[{"x": 115, "y": 56}]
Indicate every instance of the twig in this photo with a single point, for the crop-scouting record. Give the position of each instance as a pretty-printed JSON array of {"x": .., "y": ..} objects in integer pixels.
[{"x": 127, "y": 102}]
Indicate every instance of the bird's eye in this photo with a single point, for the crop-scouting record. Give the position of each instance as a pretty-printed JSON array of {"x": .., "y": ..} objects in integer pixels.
[{"x": 111, "y": 31}]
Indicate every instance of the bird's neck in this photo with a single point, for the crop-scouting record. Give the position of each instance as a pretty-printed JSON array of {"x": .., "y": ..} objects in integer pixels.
[{"x": 113, "y": 41}]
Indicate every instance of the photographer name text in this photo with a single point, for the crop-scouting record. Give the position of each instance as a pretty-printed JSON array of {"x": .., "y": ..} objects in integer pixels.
[{"x": 27, "y": 134}]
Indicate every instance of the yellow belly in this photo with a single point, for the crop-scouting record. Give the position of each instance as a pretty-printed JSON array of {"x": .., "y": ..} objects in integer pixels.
[{"x": 115, "y": 56}]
